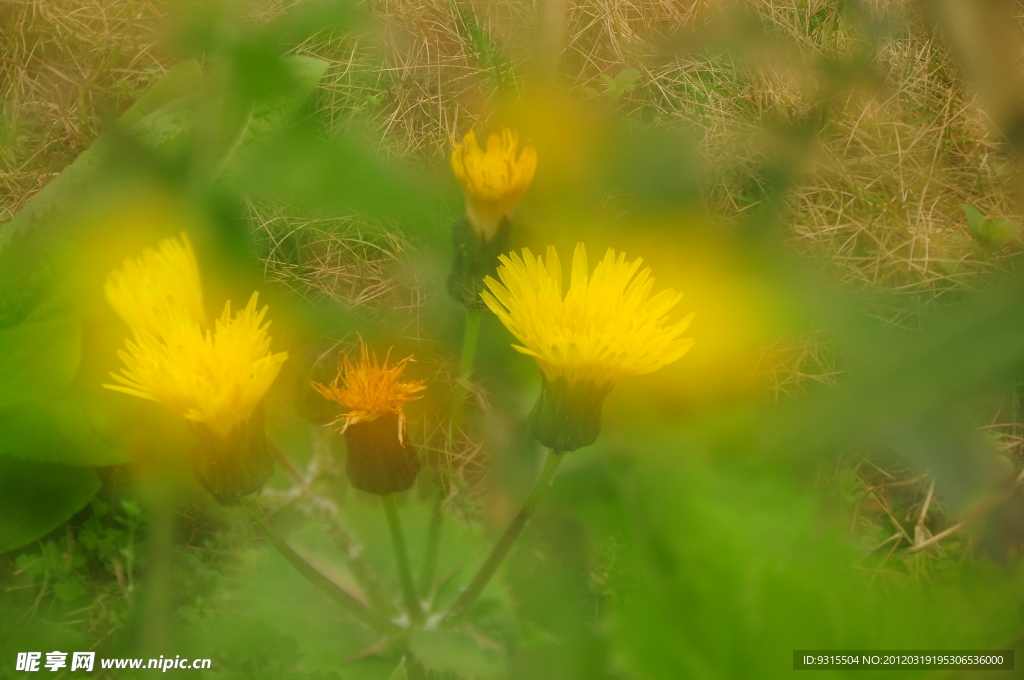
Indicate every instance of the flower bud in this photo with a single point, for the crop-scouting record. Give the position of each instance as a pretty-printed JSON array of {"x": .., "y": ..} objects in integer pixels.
[
  {"x": 567, "y": 416},
  {"x": 381, "y": 460},
  {"x": 236, "y": 466}
]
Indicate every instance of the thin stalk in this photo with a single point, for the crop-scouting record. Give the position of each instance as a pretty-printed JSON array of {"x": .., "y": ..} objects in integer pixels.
[
  {"x": 469, "y": 338},
  {"x": 470, "y": 335},
  {"x": 324, "y": 584},
  {"x": 412, "y": 602},
  {"x": 501, "y": 550},
  {"x": 352, "y": 552},
  {"x": 433, "y": 541},
  {"x": 327, "y": 510},
  {"x": 157, "y": 594}
]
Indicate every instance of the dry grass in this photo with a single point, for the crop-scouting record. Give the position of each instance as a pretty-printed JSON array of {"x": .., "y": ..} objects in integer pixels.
[
  {"x": 344, "y": 260},
  {"x": 878, "y": 192},
  {"x": 786, "y": 368},
  {"x": 66, "y": 68}
]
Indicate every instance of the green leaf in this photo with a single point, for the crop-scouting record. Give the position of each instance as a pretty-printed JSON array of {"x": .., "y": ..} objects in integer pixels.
[
  {"x": 36, "y": 498},
  {"x": 625, "y": 80},
  {"x": 272, "y": 115},
  {"x": 344, "y": 173},
  {"x": 1000, "y": 231},
  {"x": 449, "y": 651},
  {"x": 58, "y": 431},
  {"x": 975, "y": 220},
  {"x": 399, "y": 672},
  {"x": 38, "y": 358},
  {"x": 181, "y": 81}
]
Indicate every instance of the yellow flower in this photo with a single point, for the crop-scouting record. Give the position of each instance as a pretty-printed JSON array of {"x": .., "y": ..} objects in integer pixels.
[
  {"x": 216, "y": 379},
  {"x": 495, "y": 180},
  {"x": 606, "y": 327},
  {"x": 370, "y": 390},
  {"x": 145, "y": 288}
]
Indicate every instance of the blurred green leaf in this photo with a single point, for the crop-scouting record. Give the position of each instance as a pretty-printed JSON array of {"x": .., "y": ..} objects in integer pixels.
[
  {"x": 727, "y": 569},
  {"x": 182, "y": 81},
  {"x": 1000, "y": 231},
  {"x": 623, "y": 82},
  {"x": 272, "y": 114},
  {"x": 989, "y": 234},
  {"x": 399, "y": 673},
  {"x": 449, "y": 651},
  {"x": 36, "y": 498},
  {"x": 310, "y": 18},
  {"x": 344, "y": 173},
  {"x": 38, "y": 358},
  {"x": 55, "y": 431},
  {"x": 975, "y": 220}
]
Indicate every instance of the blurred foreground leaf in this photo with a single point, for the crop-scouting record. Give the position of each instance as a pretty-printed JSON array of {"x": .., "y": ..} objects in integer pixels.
[
  {"x": 58, "y": 431},
  {"x": 449, "y": 651},
  {"x": 38, "y": 358},
  {"x": 343, "y": 173},
  {"x": 726, "y": 568},
  {"x": 36, "y": 498}
]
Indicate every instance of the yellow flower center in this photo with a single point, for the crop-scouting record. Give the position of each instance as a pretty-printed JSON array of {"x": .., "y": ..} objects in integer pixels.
[
  {"x": 495, "y": 180},
  {"x": 607, "y": 325}
]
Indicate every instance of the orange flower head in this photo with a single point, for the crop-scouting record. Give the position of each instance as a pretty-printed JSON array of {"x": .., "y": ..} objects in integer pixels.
[{"x": 370, "y": 389}]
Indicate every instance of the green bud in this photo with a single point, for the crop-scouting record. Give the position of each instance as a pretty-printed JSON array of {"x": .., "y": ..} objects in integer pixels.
[
  {"x": 568, "y": 416},
  {"x": 378, "y": 462},
  {"x": 235, "y": 467}
]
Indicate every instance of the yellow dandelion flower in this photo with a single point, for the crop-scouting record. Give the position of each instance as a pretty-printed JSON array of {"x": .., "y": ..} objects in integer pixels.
[
  {"x": 215, "y": 379},
  {"x": 381, "y": 460},
  {"x": 145, "y": 288},
  {"x": 495, "y": 180},
  {"x": 606, "y": 327}
]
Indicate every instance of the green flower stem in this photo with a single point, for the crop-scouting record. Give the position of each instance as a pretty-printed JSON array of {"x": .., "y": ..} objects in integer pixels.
[
  {"x": 324, "y": 584},
  {"x": 412, "y": 602},
  {"x": 469, "y": 338},
  {"x": 469, "y": 341},
  {"x": 327, "y": 510},
  {"x": 501, "y": 550},
  {"x": 433, "y": 541},
  {"x": 352, "y": 552}
]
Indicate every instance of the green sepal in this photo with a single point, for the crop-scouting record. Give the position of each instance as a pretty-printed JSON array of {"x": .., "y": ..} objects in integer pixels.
[
  {"x": 568, "y": 416},
  {"x": 239, "y": 466},
  {"x": 378, "y": 462},
  {"x": 475, "y": 258}
]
